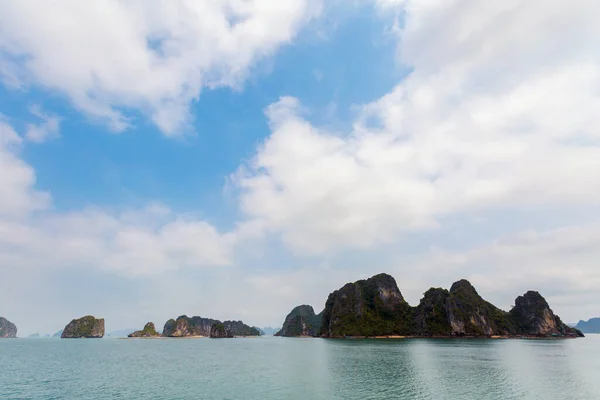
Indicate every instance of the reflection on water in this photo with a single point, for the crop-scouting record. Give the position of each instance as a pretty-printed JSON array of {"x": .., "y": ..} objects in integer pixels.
[{"x": 280, "y": 368}]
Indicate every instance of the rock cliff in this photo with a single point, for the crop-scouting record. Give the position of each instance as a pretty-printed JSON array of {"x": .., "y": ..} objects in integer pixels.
[
  {"x": 375, "y": 307},
  {"x": 533, "y": 316},
  {"x": 371, "y": 307},
  {"x": 148, "y": 331},
  {"x": 198, "y": 326},
  {"x": 301, "y": 321},
  {"x": 8, "y": 330},
  {"x": 85, "y": 327},
  {"x": 219, "y": 331}
]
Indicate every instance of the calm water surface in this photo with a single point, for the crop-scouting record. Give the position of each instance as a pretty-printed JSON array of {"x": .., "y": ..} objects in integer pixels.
[{"x": 281, "y": 368}]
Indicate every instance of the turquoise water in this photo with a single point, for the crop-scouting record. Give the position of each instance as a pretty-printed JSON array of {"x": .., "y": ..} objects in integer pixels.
[{"x": 282, "y": 368}]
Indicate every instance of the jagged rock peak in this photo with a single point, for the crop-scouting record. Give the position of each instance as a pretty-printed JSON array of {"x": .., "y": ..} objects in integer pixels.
[
  {"x": 463, "y": 286},
  {"x": 148, "y": 331},
  {"x": 219, "y": 331},
  {"x": 301, "y": 321},
  {"x": 534, "y": 317},
  {"x": 85, "y": 327},
  {"x": 8, "y": 330}
]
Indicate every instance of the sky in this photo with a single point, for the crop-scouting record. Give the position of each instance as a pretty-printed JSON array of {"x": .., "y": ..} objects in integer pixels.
[{"x": 233, "y": 159}]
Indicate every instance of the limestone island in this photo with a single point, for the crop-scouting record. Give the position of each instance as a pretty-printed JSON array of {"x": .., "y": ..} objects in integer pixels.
[
  {"x": 8, "y": 330},
  {"x": 149, "y": 331},
  {"x": 85, "y": 327},
  {"x": 185, "y": 326},
  {"x": 301, "y": 321},
  {"x": 375, "y": 308}
]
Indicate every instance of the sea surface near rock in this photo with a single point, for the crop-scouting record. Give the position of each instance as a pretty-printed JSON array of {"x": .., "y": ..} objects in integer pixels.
[{"x": 312, "y": 369}]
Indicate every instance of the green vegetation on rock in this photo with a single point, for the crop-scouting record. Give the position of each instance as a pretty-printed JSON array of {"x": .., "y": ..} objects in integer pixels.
[
  {"x": 148, "y": 331},
  {"x": 375, "y": 307},
  {"x": 85, "y": 327},
  {"x": 301, "y": 321}
]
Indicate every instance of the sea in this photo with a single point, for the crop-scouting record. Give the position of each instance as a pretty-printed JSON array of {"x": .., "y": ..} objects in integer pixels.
[{"x": 300, "y": 368}]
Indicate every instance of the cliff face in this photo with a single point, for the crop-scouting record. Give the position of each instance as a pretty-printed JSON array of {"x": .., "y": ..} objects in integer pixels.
[
  {"x": 186, "y": 326},
  {"x": 148, "y": 331},
  {"x": 369, "y": 307},
  {"x": 8, "y": 330},
  {"x": 86, "y": 327},
  {"x": 469, "y": 314},
  {"x": 238, "y": 328},
  {"x": 301, "y": 321},
  {"x": 533, "y": 316},
  {"x": 375, "y": 307},
  {"x": 197, "y": 326},
  {"x": 219, "y": 331}
]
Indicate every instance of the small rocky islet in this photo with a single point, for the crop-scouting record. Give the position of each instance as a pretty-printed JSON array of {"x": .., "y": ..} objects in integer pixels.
[
  {"x": 87, "y": 327},
  {"x": 8, "y": 330},
  {"x": 149, "y": 331},
  {"x": 375, "y": 307}
]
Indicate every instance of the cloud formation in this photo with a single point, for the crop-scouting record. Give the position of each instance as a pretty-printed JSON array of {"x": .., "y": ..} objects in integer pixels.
[
  {"x": 151, "y": 56},
  {"x": 502, "y": 113}
]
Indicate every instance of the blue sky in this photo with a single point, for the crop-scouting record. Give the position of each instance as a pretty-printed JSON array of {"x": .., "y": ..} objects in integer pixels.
[{"x": 277, "y": 152}]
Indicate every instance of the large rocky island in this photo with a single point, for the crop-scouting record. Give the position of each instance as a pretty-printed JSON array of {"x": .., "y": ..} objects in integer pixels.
[
  {"x": 85, "y": 327},
  {"x": 8, "y": 330},
  {"x": 185, "y": 326},
  {"x": 301, "y": 321},
  {"x": 375, "y": 308}
]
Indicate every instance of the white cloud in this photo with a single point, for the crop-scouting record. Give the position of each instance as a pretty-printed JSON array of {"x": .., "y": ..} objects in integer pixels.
[
  {"x": 136, "y": 242},
  {"x": 17, "y": 195},
  {"x": 500, "y": 111},
  {"x": 155, "y": 56},
  {"x": 561, "y": 263},
  {"x": 47, "y": 129}
]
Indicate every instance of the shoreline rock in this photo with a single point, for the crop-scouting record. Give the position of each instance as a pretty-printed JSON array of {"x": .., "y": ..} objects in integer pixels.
[
  {"x": 375, "y": 308},
  {"x": 148, "y": 332},
  {"x": 87, "y": 327},
  {"x": 8, "y": 330}
]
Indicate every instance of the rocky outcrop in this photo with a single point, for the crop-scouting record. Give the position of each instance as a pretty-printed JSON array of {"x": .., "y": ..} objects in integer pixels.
[
  {"x": 375, "y": 307},
  {"x": 219, "y": 331},
  {"x": 238, "y": 328},
  {"x": 186, "y": 326},
  {"x": 147, "y": 332},
  {"x": 85, "y": 327},
  {"x": 301, "y": 321},
  {"x": 590, "y": 326},
  {"x": 58, "y": 334},
  {"x": 533, "y": 316},
  {"x": 8, "y": 330},
  {"x": 372, "y": 307},
  {"x": 198, "y": 326}
]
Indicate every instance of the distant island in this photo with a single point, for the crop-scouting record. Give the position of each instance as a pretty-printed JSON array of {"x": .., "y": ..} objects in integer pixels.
[
  {"x": 86, "y": 327},
  {"x": 8, "y": 330},
  {"x": 185, "y": 326},
  {"x": 301, "y": 321},
  {"x": 589, "y": 326},
  {"x": 148, "y": 331},
  {"x": 375, "y": 308}
]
